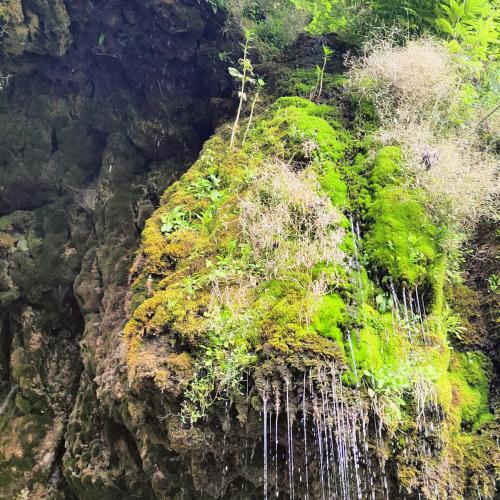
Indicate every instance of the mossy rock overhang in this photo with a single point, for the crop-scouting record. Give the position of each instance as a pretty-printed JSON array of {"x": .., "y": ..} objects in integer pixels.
[{"x": 197, "y": 234}]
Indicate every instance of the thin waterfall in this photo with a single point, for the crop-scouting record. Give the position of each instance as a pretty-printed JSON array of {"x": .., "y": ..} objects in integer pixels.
[
  {"x": 264, "y": 400},
  {"x": 353, "y": 359},
  {"x": 277, "y": 412},
  {"x": 338, "y": 454},
  {"x": 290, "y": 440},
  {"x": 304, "y": 422},
  {"x": 6, "y": 401}
]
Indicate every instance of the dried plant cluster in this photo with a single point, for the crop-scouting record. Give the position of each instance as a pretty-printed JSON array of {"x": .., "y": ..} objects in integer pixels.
[
  {"x": 416, "y": 92},
  {"x": 288, "y": 222},
  {"x": 408, "y": 84}
]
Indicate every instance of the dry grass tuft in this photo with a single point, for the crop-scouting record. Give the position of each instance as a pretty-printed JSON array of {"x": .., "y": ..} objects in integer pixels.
[
  {"x": 406, "y": 83},
  {"x": 288, "y": 223},
  {"x": 464, "y": 181},
  {"x": 416, "y": 93}
]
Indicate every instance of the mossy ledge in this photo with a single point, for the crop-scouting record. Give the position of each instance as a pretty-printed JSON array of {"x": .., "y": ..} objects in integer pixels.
[{"x": 298, "y": 258}]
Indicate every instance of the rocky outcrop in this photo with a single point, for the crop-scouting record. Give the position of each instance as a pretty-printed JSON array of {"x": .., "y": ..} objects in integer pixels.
[
  {"x": 108, "y": 357},
  {"x": 108, "y": 103}
]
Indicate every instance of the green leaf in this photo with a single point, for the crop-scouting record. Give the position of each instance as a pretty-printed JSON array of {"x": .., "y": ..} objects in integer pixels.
[
  {"x": 457, "y": 9},
  {"x": 327, "y": 51},
  {"x": 445, "y": 26},
  {"x": 235, "y": 73}
]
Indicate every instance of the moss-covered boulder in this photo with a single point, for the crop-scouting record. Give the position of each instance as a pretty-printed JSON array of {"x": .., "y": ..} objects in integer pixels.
[{"x": 285, "y": 278}]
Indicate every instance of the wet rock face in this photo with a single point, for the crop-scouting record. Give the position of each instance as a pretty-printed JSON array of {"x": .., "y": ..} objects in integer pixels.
[
  {"x": 108, "y": 104},
  {"x": 147, "y": 69}
]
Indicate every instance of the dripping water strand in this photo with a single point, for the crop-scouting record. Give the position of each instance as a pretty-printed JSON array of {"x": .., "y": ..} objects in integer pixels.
[
  {"x": 353, "y": 359},
  {"x": 264, "y": 399},
  {"x": 6, "y": 401},
  {"x": 304, "y": 423},
  {"x": 290, "y": 440},
  {"x": 277, "y": 411},
  {"x": 421, "y": 313}
]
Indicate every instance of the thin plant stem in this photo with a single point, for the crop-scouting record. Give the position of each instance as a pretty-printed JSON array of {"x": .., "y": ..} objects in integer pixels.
[
  {"x": 252, "y": 109},
  {"x": 321, "y": 78},
  {"x": 242, "y": 92}
]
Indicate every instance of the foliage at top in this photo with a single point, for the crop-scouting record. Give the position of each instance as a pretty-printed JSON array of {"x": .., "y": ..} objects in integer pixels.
[
  {"x": 275, "y": 23},
  {"x": 417, "y": 91},
  {"x": 473, "y": 23}
]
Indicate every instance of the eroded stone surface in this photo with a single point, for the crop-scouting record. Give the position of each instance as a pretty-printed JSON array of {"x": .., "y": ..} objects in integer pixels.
[{"x": 108, "y": 103}]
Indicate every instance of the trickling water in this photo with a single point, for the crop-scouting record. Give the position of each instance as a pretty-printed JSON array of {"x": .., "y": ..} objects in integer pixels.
[
  {"x": 421, "y": 314},
  {"x": 6, "y": 401},
  {"x": 353, "y": 359},
  {"x": 224, "y": 439},
  {"x": 410, "y": 299},
  {"x": 277, "y": 412},
  {"x": 405, "y": 305},
  {"x": 356, "y": 238},
  {"x": 395, "y": 299},
  {"x": 338, "y": 452},
  {"x": 325, "y": 432},
  {"x": 304, "y": 422},
  {"x": 264, "y": 399},
  {"x": 290, "y": 440}
]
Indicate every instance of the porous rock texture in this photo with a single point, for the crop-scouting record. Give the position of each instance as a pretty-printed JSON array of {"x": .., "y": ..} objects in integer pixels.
[{"x": 109, "y": 101}]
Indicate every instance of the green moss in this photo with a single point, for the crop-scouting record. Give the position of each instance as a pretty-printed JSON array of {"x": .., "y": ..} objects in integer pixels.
[
  {"x": 330, "y": 317},
  {"x": 195, "y": 239},
  {"x": 368, "y": 343},
  {"x": 386, "y": 167},
  {"x": 302, "y": 81},
  {"x": 477, "y": 452},
  {"x": 180, "y": 273},
  {"x": 470, "y": 375},
  {"x": 401, "y": 240},
  {"x": 332, "y": 182},
  {"x": 293, "y": 120}
]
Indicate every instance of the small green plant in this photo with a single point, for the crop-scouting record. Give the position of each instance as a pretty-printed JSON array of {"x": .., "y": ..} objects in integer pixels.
[
  {"x": 244, "y": 77},
  {"x": 386, "y": 390},
  {"x": 320, "y": 71},
  {"x": 225, "y": 56},
  {"x": 259, "y": 86},
  {"x": 227, "y": 356},
  {"x": 470, "y": 25},
  {"x": 453, "y": 324},
  {"x": 178, "y": 217},
  {"x": 207, "y": 187},
  {"x": 494, "y": 283},
  {"x": 193, "y": 283},
  {"x": 384, "y": 303}
]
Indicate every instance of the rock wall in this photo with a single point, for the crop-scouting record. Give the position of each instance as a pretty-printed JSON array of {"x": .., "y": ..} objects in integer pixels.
[{"x": 108, "y": 103}]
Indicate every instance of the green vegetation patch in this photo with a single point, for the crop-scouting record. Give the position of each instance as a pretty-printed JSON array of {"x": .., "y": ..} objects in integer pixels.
[
  {"x": 229, "y": 263},
  {"x": 402, "y": 240},
  {"x": 251, "y": 258}
]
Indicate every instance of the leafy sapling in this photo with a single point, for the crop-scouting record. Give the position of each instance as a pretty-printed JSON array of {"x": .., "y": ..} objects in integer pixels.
[
  {"x": 173, "y": 220},
  {"x": 259, "y": 86},
  {"x": 320, "y": 71},
  {"x": 245, "y": 77}
]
